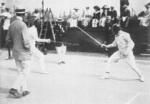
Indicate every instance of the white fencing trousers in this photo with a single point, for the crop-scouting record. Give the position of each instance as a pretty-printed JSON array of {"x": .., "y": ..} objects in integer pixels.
[
  {"x": 129, "y": 59},
  {"x": 23, "y": 68},
  {"x": 61, "y": 51},
  {"x": 39, "y": 55}
]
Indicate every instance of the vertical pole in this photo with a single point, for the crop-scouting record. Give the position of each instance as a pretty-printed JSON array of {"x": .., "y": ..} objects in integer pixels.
[{"x": 9, "y": 53}]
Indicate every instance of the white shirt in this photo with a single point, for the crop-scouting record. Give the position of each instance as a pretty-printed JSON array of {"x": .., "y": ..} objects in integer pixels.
[
  {"x": 7, "y": 20},
  {"x": 33, "y": 36},
  {"x": 123, "y": 41}
]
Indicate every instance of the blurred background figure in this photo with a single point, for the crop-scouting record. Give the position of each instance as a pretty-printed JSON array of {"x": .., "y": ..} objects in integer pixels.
[
  {"x": 3, "y": 7},
  {"x": 74, "y": 18},
  {"x": 36, "y": 14},
  {"x": 122, "y": 3},
  {"x": 125, "y": 17},
  {"x": 113, "y": 14},
  {"x": 96, "y": 16},
  {"x": 86, "y": 17},
  {"x": 104, "y": 15},
  {"x": 6, "y": 18},
  {"x": 60, "y": 34},
  {"x": 144, "y": 18},
  {"x": 109, "y": 36}
]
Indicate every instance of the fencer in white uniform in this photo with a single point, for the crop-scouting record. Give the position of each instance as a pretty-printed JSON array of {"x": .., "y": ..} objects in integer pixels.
[
  {"x": 125, "y": 46},
  {"x": 36, "y": 52}
]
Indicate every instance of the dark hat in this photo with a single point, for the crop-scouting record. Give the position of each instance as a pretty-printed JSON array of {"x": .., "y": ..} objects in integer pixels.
[
  {"x": 2, "y": 3},
  {"x": 20, "y": 11},
  {"x": 147, "y": 5},
  {"x": 105, "y": 7},
  {"x": 96, "y": 7},
  {"x": 76, "y": 8},
  {"x": 112, "y": 7}
]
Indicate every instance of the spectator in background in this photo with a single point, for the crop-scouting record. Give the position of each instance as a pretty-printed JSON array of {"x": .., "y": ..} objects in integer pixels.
[
  {"x": 7, "y": 16},
  {"x": 125, "y": 16},
  {"x": 75, "y": 17},
  {"x": 3, "y": 7},
  {"x": 144, "y": 18},
  {"x": 105, "y": 11},
  {"x": 96, "y": 16},
  {"x": 109, "y": 37},
  {"x": 60, "y": 32},
  {"x": 122, "y": 3},
  {"x": 86, "y": 17},
  {"x": 36, "y": 14},
  {"x": 113, "y": 14},
  {"x": 104, "y": 15}
]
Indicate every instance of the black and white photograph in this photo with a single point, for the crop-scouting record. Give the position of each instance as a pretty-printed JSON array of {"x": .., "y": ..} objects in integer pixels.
[{"x": 74, "y": 51}]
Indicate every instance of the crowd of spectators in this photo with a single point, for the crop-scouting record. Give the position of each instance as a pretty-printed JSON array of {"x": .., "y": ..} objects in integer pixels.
[{"x": 102, "y": 18}]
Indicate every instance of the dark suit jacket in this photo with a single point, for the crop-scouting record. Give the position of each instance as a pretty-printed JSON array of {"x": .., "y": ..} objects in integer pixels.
[
  {"x": 113, "y": 14},
  {"x": 60, "y": 35},
  {"x": 96, "y": 15}
]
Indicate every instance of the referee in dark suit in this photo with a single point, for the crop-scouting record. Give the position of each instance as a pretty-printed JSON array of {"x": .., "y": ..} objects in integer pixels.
[{"x": 60, "y": 34}]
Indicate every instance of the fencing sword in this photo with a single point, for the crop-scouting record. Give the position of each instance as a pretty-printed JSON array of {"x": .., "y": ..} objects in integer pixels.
[
  {"x": 122, "y": 57},
  {"x": 64, "y": 42},
  {"x": 91, "y": 37}
]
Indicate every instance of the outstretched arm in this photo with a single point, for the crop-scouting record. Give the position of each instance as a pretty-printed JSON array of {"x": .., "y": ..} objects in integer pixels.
[
  {"x": 113, "y": 44},
  {"x": 43, "y": 40}
]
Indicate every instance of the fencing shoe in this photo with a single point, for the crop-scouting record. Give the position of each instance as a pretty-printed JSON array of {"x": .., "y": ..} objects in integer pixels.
[
  {"x": 141, "y": 78},
  {"x": 105, "y": 76}
]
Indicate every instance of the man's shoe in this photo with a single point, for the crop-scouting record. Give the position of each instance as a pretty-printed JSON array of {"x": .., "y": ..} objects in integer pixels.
[
  {"x": 105, "y": 76},
  {"x": 12, "y": 90},
  {"x": 63, "y": 62},
  {"x": 141, "y": 78},
  {"x": 25, "y": 93},
  {"x": 15, "y": 93}
]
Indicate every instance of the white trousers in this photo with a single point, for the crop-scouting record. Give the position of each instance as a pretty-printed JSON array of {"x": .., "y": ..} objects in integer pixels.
[
  {"x": 39, "y": 55},
  {"x": 61, "y": 51},
  {"x": 130, "y": 59},
  {"x": 23, "y": 68}
]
